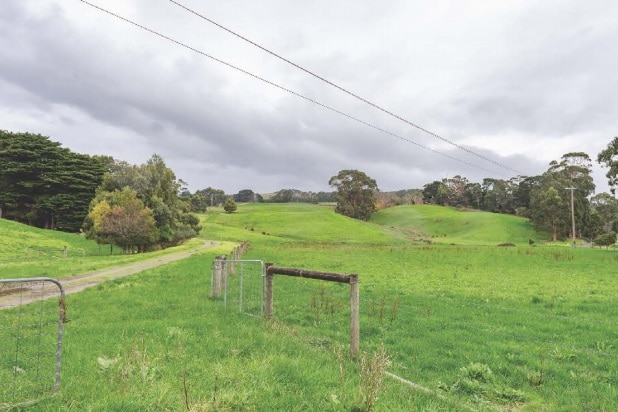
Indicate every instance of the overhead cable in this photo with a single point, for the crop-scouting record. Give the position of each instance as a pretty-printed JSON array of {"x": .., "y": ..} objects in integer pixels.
[
  {"x": 348, "y": 92},
  {"x": 271, "y": 83}
]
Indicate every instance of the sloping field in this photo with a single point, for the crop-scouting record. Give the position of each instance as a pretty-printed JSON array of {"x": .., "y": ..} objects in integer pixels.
[
  {"x": 446, "y": 225},
  {"x": 16, "y": 238},
  {"x": 469, "y": 326},
  {"x": 296, "y": 222}
]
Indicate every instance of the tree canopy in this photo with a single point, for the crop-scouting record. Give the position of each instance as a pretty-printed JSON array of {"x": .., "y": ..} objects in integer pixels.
[
  {"x": 45, "y": 185},
  {"x": 156, "y": 187},
  {"x": 355, "y": 194}
]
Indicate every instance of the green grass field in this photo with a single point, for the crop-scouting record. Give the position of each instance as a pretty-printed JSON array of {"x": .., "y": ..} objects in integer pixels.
[
  {"x": 481, "y": 327},
  {"x": 27, "y": 251}
]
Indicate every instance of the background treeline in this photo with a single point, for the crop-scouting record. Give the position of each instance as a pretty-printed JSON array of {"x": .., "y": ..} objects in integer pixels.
[
  {"x": 145, "y": 206},
  {"x": 45, "y": 185},
  {"x": 544, "y": 199},
  {"x": 132, "y": 206}
]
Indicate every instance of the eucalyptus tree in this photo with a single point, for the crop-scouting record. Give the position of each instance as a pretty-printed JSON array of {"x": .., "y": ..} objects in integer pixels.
[
  {"x": 608, "y": 157},
  {"x": 569, "y": 180},
  {"x": 355, "y": 194}
]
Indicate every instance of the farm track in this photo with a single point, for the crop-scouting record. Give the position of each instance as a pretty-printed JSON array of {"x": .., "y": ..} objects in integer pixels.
[{"x": 12, "y": 297}]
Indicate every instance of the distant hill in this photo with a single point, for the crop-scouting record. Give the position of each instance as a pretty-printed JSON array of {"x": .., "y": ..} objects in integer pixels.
[
  {"x": 420, "y": 223},
  {"x": 440, "y": 224}
]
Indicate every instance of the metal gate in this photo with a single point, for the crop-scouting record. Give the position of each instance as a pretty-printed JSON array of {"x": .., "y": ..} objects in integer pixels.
[
  {"x": 240, "y": 283},
  {"x": 31, "y": 329}
]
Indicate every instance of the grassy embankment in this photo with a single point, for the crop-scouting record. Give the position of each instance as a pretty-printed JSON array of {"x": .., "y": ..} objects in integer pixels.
[
  {"x": 27, "y": 251},
  {"x": 481, "y": 326}
]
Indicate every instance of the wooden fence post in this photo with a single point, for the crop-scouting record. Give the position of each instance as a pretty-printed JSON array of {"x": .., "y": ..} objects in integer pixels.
[
  {"x": 218, "y": 276},
  {"x": 268, "y": 293},
  {"x": 64, "y": 253},
  {"x": 354, "y": 315}
]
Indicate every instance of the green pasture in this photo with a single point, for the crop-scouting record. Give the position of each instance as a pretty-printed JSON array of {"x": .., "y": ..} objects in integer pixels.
[
  {"x": 479, "y": 326},
  {"x": 27, "y": 251},
  {"x": 439, "y": 224}
]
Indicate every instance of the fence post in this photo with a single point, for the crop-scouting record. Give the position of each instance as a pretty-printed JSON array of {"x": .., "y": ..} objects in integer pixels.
[
  {"x": 64, "y": 253},
  {"x": 218, "y": 276},
  {"x": 354, "y": 314},
  {"x": 268, "y": 294}
]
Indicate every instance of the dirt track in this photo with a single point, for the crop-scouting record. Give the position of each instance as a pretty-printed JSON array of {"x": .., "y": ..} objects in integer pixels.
[{"x": 22, "y": 294}]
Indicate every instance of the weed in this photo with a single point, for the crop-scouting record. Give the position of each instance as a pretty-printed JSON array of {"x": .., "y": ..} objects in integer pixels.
[
  {"x": 371, "y": 375},
  {"x": 394, "y": 310},
  {"x": 537, "y": 378}
]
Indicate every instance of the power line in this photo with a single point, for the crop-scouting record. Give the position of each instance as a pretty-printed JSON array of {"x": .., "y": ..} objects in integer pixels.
[
  {"x": 271, "y": 83},
  {"x": 348, "y": 92}
]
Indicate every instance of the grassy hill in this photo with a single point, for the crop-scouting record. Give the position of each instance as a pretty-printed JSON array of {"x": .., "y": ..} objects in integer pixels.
[
  {"x": 446, "y": 225},
  {"x": 299, "y": 222},
  {"x": 17, "y": 238},
  {"x": 481, "y": 327},
  {"x": 27, "y": 251}
]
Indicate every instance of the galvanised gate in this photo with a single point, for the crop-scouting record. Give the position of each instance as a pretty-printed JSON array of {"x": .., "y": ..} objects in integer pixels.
[{"x": 32, "y": 317}]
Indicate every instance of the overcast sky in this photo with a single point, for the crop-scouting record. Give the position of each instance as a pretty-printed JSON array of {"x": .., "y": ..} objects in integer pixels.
[{"x": 517, "y": 82}]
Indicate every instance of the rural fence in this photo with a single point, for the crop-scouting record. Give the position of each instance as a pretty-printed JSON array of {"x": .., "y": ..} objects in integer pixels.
[
  {"x": 31, "y": 332},
  {"x": 240, "y": 283},
  {"x": 352, "y": 280}
]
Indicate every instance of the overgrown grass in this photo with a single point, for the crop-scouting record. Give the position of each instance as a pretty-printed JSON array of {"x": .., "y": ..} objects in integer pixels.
[{"x": 480, "y": 327}]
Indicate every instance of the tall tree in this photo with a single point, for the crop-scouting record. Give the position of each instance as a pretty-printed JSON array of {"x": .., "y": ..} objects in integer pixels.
[
  {"x": 44, "y": 184},
  {"x": 355, "y": 194},
  {"x": 605, "y": 206},
  {"x": 435, "y": 193},
  {"x": 549, "y": 212},
  {"x": 572, "y": 176},
  {"x": 608, "y": 157}
]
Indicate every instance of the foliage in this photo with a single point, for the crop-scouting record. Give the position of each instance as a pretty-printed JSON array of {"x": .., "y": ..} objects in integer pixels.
[
  {"x": 550, "y": 205},
  {"x": 45, "y": 185},
  {"x": 401, "y": 197},
  {"x": 157, "y": 187},
  {"x": 229, "y": 205},
  {"x": 605, "y": 207},
  {"x": 608, "y": 157},
  {"x": 203, "y": 198},
  {"x": 122, "y": 219},
  {"x": 247, "y": 196},
  {"x": 293, "y": 195},
  {"x": 355, "y": 194},
  {"x": 493, "y": 195},
  {"x": 605, "y": 239}
]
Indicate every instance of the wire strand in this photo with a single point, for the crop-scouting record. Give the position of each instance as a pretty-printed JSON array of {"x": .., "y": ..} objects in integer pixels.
[
  {"x": 348, "y": 92},
  {"x": 271, "y": 83}
]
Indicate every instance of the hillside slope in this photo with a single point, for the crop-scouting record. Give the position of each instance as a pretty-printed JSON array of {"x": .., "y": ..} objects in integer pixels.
[
  {"x": 292, "y": 222},
  {"x": 16, "y": 238},
  {"x": 440, "y": 224}
]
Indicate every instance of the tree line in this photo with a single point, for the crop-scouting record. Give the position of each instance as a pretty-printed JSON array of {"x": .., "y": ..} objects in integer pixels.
[
  {"x": 558, "y": 201},
  {"x": 144, "y": 206},
  {"x": 131, "y": 206}
]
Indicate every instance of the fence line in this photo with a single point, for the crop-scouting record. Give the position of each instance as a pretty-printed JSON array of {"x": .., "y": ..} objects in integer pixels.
[{"x": 352, "y": 280}]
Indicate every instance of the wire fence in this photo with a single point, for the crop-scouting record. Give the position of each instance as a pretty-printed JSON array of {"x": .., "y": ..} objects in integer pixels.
[
  {"x": 31, "y": 332},
  {"x": 240, "y": 283},
  {"x": 43, "y": 253}
]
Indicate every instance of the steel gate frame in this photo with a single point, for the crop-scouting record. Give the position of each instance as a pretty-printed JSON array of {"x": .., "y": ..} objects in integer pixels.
[{"x": 60, "y": 331}]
